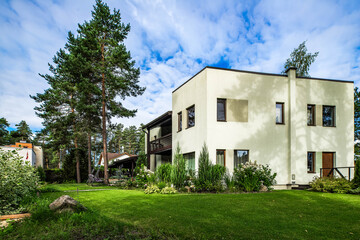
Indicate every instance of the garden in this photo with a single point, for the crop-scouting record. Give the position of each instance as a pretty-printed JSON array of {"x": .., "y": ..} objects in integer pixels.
[{"x": 209, "y": 204}]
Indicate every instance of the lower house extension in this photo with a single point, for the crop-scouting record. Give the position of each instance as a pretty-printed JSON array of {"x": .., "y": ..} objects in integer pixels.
[{"x": 301, "y": 127}]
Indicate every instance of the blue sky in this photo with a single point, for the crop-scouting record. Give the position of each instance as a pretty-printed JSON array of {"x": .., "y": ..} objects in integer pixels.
[{"x": 172, "y": 40}]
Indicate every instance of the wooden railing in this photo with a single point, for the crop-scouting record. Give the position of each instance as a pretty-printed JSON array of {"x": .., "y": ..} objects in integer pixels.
[
  {"x": 329, "y": 172},
  {"x": 161, "y": 144}
]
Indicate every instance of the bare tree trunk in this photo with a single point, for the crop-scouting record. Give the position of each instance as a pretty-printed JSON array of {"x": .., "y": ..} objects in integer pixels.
[
  {"x": 78, "y": 178},
  {"x": 105, "y": 157}
]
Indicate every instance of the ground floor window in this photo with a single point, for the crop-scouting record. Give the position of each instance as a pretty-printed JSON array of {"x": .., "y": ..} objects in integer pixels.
[
  {"x": 311, "y": 162},
  {"x": 220, "y": 157},
  {"x": 240, "y": 157},
  {"x": 189, "y": 161}
]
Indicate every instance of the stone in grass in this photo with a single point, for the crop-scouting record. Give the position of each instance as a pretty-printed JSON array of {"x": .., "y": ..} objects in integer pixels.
[
  {"x": 263, "y": 188},
  {"x": 65, "y": 203}
]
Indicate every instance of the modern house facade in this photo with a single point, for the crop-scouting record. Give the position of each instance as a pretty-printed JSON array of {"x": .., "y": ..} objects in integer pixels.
[
  {"x": 296, "y": 125},
  {"x": 30, "y": 153}
]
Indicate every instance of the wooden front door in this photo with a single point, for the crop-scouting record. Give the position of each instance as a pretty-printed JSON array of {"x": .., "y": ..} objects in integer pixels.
[{"x": 327, "y": 162}]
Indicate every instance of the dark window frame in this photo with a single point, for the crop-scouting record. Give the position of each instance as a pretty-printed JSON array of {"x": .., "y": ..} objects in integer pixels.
[
  {"x": 224, "y": 151},
  {"x": 313, "y": 162},
  {"x": 187, "y": 114},
  {"x": 180, "y": 121},
  {"x": 334, "y": 116},
  {"x": 282, "y": 113},
  {"x": 313, "y": 109},
  {"x": 244, "y": 150},
  {"x": 217, "y": 109},
  {"x": 187, "y": 159}
]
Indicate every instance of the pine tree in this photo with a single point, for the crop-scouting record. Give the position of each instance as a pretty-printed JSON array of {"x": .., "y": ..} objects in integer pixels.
[
  {"x": 300, "y": 59},
  {"x": 23, "y": 132},
  {"x": 112, "y": 65},
  {"x": 4, "y": 133}
]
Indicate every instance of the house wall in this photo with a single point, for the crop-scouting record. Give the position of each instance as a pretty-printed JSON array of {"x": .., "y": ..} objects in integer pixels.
[
  {"x": 24, "y": 153},
  {"x": 192, "y": 92},
  {"x": 39, "y": 156},
  {"x": 283, "y": 146}
]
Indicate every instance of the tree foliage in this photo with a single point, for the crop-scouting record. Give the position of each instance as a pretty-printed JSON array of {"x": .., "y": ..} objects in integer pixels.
[
  {"x": 4, "y": 133},
  {"x": 300, "y": 59},
  {"x": 178, "y": 172}
]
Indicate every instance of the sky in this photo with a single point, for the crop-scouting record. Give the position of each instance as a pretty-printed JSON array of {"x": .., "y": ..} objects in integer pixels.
[{"x": 173, "y": 40}]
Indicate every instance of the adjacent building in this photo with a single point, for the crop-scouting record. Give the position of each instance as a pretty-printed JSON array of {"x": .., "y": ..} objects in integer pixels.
[
  {"x": 299, "y": 126},
  {"x": 30, "y": 153}
]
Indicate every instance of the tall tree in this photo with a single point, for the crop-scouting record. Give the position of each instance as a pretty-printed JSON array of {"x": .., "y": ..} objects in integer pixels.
[
  {"x": 357, "y": 122},
  {"x": 300, "y": 59},
  {"x": 4, "y": 133},
  {"x": 23, "y": 132},
  {"x": 113, "y": 65}
]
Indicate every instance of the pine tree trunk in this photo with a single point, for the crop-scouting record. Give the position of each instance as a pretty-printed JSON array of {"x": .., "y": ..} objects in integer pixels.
[
  {"x": 78, "y": 178},
  {"x": 89, "y": 153},
  {"x": 105, "y": 157}
]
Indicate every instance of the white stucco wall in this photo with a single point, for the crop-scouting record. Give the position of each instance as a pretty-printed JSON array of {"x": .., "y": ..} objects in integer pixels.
[
  {"x": 283, "y": 147},
  {"x": 24, "y": 153}
]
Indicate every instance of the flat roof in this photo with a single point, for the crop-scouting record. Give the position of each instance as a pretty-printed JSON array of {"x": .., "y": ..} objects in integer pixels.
[
  {"x": 262, "y": 73},
  {"x": 158, "y": 120}
]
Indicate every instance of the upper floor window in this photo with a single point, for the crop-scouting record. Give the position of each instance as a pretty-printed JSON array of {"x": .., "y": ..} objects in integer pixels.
[
  {"x": 191, "y": 116},
  {"x": 240, "y": 157},
  {"x": 329, "y": 116},
  {"x": 280, "y": 113},
  {"x": 221, "y": 109},
  {"x": 220, "y": 157},
  {"x": 311, "y": 115},
  {"x": 311, "y": 162},
  {"x": 179, "y": 121}
]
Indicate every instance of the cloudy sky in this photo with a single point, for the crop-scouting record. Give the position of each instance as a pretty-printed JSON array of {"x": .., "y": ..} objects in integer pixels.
[{"x": 172, "y": 40}]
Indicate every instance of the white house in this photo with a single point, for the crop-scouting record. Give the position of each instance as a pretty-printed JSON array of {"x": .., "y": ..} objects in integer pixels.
[{"x": 299, "y": 126}]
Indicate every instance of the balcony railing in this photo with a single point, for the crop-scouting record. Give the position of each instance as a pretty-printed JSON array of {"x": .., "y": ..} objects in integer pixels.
[
  {"x": 344, "y": 172},
  {"x": 161, "y": 144}
]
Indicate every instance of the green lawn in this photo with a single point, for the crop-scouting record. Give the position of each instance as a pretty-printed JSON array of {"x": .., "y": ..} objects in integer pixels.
[
  {"x": 74, "y": 186},
  {"x": 272, "y": 215}
]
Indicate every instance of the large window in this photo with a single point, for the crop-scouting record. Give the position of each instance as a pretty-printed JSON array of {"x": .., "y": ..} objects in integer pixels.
[
  {"x": 179, "y": 121},
  {"x": 311, "y": 162},
  {"x": 221, "y": 110},
  {"x": 280, "y": 113},
  {"x": 189, "y": 161},
  {"x": 240, "y": 157},
  {"x": 328, "y": 116},
  {"x": 220, "y": 157},
  {"x": 191, "y": 116},
  {"x": 311, "y": 115}
]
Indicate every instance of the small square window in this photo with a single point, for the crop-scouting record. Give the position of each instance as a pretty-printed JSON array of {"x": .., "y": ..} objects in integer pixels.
[
  {"x": 220, "y": 157},
  {"x": 221, "y": 110},
  {"x": 179, "y": 121},
  {"x": 240, "y": 157},
  {"x": 310, "y": 115},
  {"x": 311, "y": 162},
  {"x": 191, "y": 116},
  {"x": 329, "y": 116},
  {"x": 280, "y": 113}
]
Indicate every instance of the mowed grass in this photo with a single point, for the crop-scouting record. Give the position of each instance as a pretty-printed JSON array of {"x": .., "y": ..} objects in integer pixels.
[
  {"x": 272, "y": 215},
  {"x": 74, "y": 187}
]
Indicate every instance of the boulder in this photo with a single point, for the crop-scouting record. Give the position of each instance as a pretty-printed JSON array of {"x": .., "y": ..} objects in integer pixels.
[
  {"x": 263, "y": 188},
  {"x": 65, "y": 203}
]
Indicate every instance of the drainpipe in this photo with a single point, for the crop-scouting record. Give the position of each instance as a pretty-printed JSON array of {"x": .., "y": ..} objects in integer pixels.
[{"x": 147, "y": 146}]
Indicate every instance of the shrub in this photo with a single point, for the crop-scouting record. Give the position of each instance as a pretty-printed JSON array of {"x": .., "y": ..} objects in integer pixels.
[
  {"x": 250, "y": 176},
  {"x": 41, "y": 173},
  {"x": 54, "y": 175},
  {"x": 18, "y": 181},
  {"x": 161, "y": 185},
  {"x": 178, "y": 172},
  {"x": 163, "y": 172},
  {"x": 168, "y": 190},
  {"x": 142, "y": 160},
  {"x": 209, "y": 176},
  {"x": 151, "y": 189},
  {"x": 229, "y": 181},
  {"x": 144, "y": 177},
  {"x": 331, "y": 185}
]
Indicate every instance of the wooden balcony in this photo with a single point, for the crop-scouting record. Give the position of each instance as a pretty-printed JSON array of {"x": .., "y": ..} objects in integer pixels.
[{"x": 161, "y": 144}]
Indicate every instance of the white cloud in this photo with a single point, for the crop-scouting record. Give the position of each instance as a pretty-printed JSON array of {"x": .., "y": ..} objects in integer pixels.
[{"x": 173, "y": 40}]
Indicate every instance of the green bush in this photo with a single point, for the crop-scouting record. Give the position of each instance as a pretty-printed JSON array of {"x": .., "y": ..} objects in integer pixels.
[
  {"x": 250, "y": 176},
  {"x": 163, "y": 172},
  {"x": 40, "y": 171},
  {"x": 331, "y": 185},
  {"x": 161, "y": 185},
  {"x": 151, "y": 189},
  {"x": 54, "y": 175},
  {"x": 144, "y": 177},
  {"x": 209, "y": 176},
  {"x": 168, "y": 190},
  {"x": 178, "y": 172},
  {"x": 18, "y": 182},
  {"x": 230, "y": 182}
]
